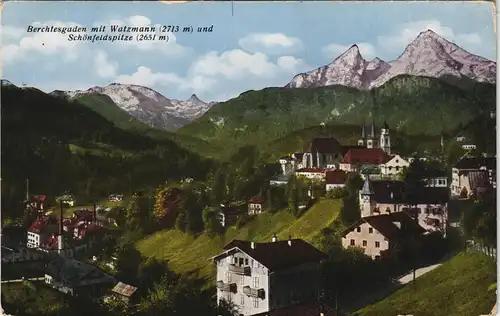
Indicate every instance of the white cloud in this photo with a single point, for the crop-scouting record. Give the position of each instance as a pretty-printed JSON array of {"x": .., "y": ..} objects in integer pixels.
[
  {"x": 47, "y": 43},
  {"x": 270, "y": 43},
  {"x": 11, "y": 32},
  {"x": 409, "y": 31},
  {"x": 105, "y": 68},
  {"x": 170, "y": 47},
  {"x": 367, "y": 50},
  {"x": 221, "y": 75}
]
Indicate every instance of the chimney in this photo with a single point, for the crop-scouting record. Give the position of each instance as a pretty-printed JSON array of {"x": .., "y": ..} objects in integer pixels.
[
  {"x": 252, "y": 245},
  {"x": 275, "y": 238},
  {"x": 289, "y": 240},
  {"x": 61, "y": 229}
]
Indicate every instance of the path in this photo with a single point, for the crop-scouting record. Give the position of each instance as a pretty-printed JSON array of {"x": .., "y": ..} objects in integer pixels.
[
  {"x": 21, "y": 280},
  {"x": 380, "y": 294}
]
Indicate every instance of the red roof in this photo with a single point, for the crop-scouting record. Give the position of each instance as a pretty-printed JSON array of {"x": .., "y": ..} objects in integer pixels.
[
  {"x": 40, "y": 198},
  {"x": 311, "y": 170},
  {"x": 39, "y": 224},
  {"x": 257, "y": 200},
  {"x": 336, "y": 177},
  {"x": 371, "y": 156}
]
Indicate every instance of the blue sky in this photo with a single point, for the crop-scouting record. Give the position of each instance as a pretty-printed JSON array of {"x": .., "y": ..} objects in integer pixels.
[{"x": 263, "y": 44}]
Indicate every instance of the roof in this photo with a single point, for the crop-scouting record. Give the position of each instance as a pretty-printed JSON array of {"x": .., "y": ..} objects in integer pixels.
[
  {"x": 311, "y": 170},
  {"x": 367, "y": 188},
  {"x": 476, "y": 163},
  {"x": 372, "y": 156},
  {"x": 324, "y": 145},
  {"x": 336, "y": 177},
  {"x": 346, "y": 148},
  {"x": 124, "y": 289},
  {"x": 298, "y": 156},
  {"x": 478, "y": 179},
  {"x": 257, "y": 199},
  {"x": 385, "y": 225},
  {"x": 310, "y": 309},
  {"x": 279, "y": 254},
  {"x": 75, "y": 273},
  {"x": 385, "y": 126},
  {"x": 395, "y": 192},
  {"x": 41, "y": 223}
]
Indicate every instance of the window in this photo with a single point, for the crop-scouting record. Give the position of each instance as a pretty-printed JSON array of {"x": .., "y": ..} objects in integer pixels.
[
  {"x": 377, "y": 257},
  {"x": 364, "y": 243},
  {"x": 241, "y": 262},
  {"x": 353, "y": 243},
  {"x": 255, "y": 302},
  {"x": 255, "y": 282},
  {"x": 246, "y": 262},
  {"x": 358, "y": 229},
  {"x": 397, "y": 168},
  {"x": 228, "y": 276},
  {"x": 242, "y": 299},
  {"x": 377, "y": 244},
  {"x": 370, "y": 230},
  {"x": 242, "y": 280}
]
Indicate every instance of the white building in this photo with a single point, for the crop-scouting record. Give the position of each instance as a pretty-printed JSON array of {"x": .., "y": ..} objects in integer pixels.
[
  {"x": 394, "y": 166},
  {"x": 335, "y": 179},
  {"x": 311, "y": 173},
  {"x": 261, "y": 277}
]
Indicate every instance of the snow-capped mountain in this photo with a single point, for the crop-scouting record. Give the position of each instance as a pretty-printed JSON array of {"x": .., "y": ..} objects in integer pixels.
[
  {"x": 428, "y": 55},
  {"x": 149, "y": 106},
  {"x": 349, "y": 69}
]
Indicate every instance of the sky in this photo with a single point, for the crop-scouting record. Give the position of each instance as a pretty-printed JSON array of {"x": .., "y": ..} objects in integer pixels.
[{"x": 261, "y": 45}]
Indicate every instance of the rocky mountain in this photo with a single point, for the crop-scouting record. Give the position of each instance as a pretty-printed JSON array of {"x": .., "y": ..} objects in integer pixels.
[
  {"x": 147, "y": 105},
  {"x": 429, "y": 55}
]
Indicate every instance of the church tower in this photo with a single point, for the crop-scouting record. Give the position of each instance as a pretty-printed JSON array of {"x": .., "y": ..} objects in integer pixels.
[
  {"x": 371, "y": 140},
  {"x": 385, "y": 139},
  {"x": 361, "y": 141},
  {"x": 366, "y": 198}
]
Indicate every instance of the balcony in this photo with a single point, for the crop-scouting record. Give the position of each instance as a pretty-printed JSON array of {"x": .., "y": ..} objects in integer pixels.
[
  {"x": 226, "y": 287},
  {"x": 258, "y": 293},
  {"x": 240, "y": 270}
]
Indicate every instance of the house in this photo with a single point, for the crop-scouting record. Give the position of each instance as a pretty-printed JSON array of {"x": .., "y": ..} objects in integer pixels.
[
  {"x": 394, "y": 166},
  {"x": 262, "y": 277},
  {"x": 335, "y": 179},
  {"x": 279, "y": 180},
  {"x": 291, "y": 163},
  {"x": 357, "y": 159},
  {"x": 76, "y": 278},
  {"x": 429, "y": 206},
  {"x": 475, "y": 183},
  {"x": 468, "y": 164},
  {"x": 230, "y": 213},
  {"x": 460, "y": 138},
  {"x": 41, "y": 229},
  {"x": 382, "y": 235},
  {"x": 468, "y": 146},
  {"x": 124, "y": 292},
  {"x": 115, "y": 197},
  {"x": 311, "y": 173},
  {"x": 37, "y": 203},
  {"x": 256, "y": 205}
]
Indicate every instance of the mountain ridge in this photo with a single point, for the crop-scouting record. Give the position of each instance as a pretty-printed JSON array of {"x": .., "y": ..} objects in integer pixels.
[
  {"x": 428, "y": 55},
  {"x": 147, "y": 105}
]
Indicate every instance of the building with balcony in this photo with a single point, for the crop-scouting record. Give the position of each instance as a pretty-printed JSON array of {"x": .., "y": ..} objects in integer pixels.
[{"x": 262, "y": 277}]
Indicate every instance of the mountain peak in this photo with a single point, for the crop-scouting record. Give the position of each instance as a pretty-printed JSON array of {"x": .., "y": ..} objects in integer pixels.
[{"x": 194, "y": 97}]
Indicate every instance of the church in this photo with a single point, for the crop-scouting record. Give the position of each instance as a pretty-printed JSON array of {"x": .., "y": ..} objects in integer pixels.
[{"x": 328, "y": 153}]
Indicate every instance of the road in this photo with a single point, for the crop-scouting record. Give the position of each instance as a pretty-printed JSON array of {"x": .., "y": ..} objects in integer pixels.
[{"x": 21, "y": 280}]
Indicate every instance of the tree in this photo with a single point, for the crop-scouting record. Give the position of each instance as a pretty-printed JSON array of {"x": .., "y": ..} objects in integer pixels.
[
  {"x": 138, "y": 213},
  {"x": 210, "y": 221},
  {"x": 218, "y": 186},
  {"x": 180, "y": 222},
  {"x": 192, "y": 210}
]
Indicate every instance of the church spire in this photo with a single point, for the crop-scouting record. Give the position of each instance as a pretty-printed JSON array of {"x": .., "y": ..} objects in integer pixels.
[
  {"x": 363, "y": 132},
  {"x": 373, "y": 128}
]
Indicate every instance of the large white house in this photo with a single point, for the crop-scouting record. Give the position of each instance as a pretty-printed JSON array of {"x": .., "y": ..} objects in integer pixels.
[{"x": 262, "y": 277}]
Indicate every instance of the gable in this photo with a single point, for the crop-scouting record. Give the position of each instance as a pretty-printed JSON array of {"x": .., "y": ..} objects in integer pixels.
[{"x": 397, "y": 161}]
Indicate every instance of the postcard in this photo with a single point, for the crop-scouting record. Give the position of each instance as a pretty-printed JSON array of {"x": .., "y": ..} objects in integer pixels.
[{"x": 271, "y": 158}]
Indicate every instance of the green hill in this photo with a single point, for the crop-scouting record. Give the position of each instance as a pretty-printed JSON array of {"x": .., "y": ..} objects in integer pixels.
[
  {"x": 61, "y": 145},
  {"x": 411, "y": 105},
  {"x": 458, "y": 287},
  {"x": 187, "y": 254}
]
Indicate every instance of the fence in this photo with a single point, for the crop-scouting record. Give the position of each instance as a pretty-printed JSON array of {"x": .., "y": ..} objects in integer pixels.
[{"x": 475, "y": 246}]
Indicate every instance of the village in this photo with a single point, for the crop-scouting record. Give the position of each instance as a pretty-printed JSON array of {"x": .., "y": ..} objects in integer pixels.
[{"x": 261, "y": 277}]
